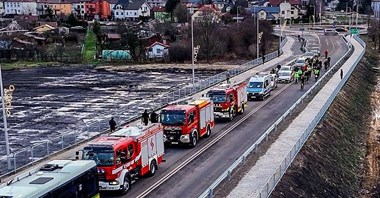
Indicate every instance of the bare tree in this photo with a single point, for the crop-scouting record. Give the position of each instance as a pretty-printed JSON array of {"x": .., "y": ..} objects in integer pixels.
[{"x": 206, "y": 34}]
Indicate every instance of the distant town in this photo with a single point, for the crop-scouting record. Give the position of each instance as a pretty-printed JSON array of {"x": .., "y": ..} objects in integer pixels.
[{"x": 89, "y": 31}]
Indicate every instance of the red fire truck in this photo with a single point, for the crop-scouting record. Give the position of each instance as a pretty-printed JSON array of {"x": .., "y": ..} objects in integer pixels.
[
  {"x": 126, "y": 154},
  {"x": 186, "y": 123},
  {"x": 229, "y": 99}
]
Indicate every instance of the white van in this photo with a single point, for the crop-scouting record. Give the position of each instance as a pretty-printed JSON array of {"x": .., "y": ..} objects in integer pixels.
[
  {"x": 330, "y": 32},
  {"x": 259, "y": 87}
]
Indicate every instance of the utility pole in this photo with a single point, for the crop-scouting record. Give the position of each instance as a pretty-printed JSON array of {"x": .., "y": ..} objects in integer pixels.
[
  {"x": 257, "y": 35},
  {"x": 357, "y": 12},
  {"x": 5, "y": 121},
  {"x": 320, "y": 13}
]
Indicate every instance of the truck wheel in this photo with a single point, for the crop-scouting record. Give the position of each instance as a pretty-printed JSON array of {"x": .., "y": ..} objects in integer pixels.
[
  {"x": 208, "y": 131},
  {"x": 152, "y": 168},
  {"x": 126, "y": 185},
  {"x": 193, "y": 140}
]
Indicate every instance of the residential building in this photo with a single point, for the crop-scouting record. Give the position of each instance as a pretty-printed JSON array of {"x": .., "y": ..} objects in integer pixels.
[
  {"x": 1, "y": 7},
  {"x": 156, "y": 3},
  {"x": 112, "y": 4},
  {"x": 132, "y": 9},
  {"x": 160, "y": 14},
  {"x": 78, "y": 7},
  {"x": 287, "y": 11},
  {"x": 98, "y": 9},
  {"x": 209, "y": 10},
  {"x": 265, "y": 13},
  {"x": 57, "y": 6},
  {"x": 376, "y": 8},
  {"x": 20, "y": 7},
  {"x": 158, "y": 50}
]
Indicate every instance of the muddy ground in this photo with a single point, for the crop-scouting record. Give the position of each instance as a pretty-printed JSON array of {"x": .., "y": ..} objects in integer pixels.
[
  {"x": 50, "y": 101},
  {"x": 335, "y": 160}
]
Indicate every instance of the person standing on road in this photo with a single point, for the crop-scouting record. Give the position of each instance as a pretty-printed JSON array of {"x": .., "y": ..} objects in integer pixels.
[
  {"x": 296, "y": 76},
  {"x": 326, "y": 53},
  {"x": 263, "y": 59},
  {"x": 153, "y": 117},
  {"x": 341, "y": 74},
  {"x": 112, "y": 124},
  {"x": 228, "y": 77},
  {"x": 328, "y": 61},
  {"x": 145, "y": 117}
]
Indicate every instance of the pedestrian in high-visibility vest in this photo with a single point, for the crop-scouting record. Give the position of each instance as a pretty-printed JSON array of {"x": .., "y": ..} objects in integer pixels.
[{"x": 296, "y": 76}]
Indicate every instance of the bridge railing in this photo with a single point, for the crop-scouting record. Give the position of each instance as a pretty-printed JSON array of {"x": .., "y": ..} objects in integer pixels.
[
  {"x": 29, "y": 156},
  {"x": 226, "y": 175}
]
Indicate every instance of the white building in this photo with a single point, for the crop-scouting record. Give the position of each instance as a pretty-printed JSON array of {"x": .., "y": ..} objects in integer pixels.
[
  {"x": 287, "y": 11},
  {"x": 78, "y": 7},
  {"x": 1, "y": 7},
  {"x": 156, "y": 3},
  {"x": 21, "y": 7},
  {"x": 376, "y": 8},
  {"x": 157, "y": 50},
  {"x": 132, "y": 9}
]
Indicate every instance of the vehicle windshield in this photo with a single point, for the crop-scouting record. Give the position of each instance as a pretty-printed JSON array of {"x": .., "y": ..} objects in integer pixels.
[
  {"x": 102, "y": 156},
  {"x": 173, "y": 117},
  {"x": 217, "y": 98},
  {"x": 308, "y": 54},
  {"x": 284, "y": 74},
  {"x": 285, "y": 69},
  {"x": 255, "y": 85},
  {"x": 300, "y": 61}
]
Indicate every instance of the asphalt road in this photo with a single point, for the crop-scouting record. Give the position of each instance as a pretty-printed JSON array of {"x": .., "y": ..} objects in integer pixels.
[{"x": 195, "y": 177}]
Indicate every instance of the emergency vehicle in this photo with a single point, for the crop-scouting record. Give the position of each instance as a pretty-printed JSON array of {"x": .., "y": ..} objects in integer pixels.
[
  {"x": 186, "y": 123},
  {"x": 229, "y": 99},
  {"x": 55, "y": 179},
  {"x": 125, "y": 155},
  {"x": 259, "y": 86}
]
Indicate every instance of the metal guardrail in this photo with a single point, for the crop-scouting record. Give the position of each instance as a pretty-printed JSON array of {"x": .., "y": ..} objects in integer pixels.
[
  {"x": 209, "y": 192},
  {"x": 40, "y": 151}
]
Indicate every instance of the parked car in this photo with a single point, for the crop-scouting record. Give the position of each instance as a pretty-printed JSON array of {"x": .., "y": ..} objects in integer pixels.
[
  {"x": 300, "y": 62},
  {"x": 308, "y": 55},
  {"x": 285, "y": 76},
  {"x": 341, "y": 29},
  {"x": 315, "y": 50},
  {"x": 330, "y": 32},
  {"x": 286, "y": 68}
]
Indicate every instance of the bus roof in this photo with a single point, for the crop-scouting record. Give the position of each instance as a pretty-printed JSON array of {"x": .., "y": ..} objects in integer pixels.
[{"x": 43, "y": 180}]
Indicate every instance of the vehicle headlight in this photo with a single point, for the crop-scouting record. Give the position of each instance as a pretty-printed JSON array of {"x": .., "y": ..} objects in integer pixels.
[
  {"x": 101, "y": 171},
  {"x": 114, "y": 183}
]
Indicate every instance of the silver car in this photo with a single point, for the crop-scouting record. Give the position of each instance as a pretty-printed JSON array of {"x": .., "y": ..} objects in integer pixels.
[{"x": 285, "y": 76}]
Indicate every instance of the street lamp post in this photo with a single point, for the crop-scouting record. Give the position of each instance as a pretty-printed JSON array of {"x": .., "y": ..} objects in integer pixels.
[
  {"x": 5, "y": 121},
  {"x": 257, "y": 35},
  {"x": 192, "y": 46}
]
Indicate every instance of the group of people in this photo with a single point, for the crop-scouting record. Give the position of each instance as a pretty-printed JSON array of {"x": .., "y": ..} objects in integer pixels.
[
  {"x": 153, "y": 117},
  {"x": 312, "y": 66}
]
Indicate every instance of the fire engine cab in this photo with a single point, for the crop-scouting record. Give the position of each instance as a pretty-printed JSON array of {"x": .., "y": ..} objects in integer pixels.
[
  {"x": 186, "y": 123},
  {"x": 229, "y": 99},
  {"x": 125, "y": 155}
]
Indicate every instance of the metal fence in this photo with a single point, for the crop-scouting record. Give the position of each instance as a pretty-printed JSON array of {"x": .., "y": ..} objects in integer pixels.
[
  {"x": 209, "y": 192},
  {"x": 39, "y": 151}
]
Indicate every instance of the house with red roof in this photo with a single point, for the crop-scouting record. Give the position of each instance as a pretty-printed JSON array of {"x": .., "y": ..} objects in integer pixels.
[{"x": 157, "y": 50}]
